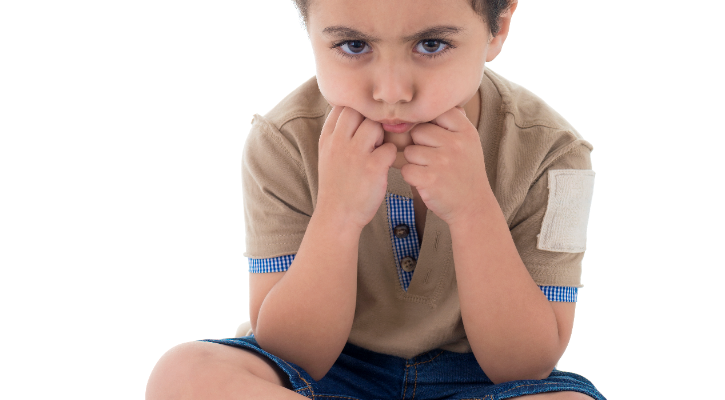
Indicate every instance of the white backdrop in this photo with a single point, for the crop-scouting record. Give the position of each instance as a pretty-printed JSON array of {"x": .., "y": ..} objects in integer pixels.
[{"x": 121, "y": 225}]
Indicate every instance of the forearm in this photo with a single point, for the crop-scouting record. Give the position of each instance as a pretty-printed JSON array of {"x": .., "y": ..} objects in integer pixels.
[
  {"x": 510, "y": 325},
  {"x": 307, "y": 316}
]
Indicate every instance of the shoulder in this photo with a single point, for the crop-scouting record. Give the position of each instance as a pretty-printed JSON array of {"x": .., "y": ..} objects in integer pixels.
[
  {"x": 303, "y": 109},
  {"x": 530, "y": 128},
  {"x": 527, "y": 109},
  {"x": 543, "y": 179},
  {"x": 305, "y": 101},
  {"x": 291, "y": 128}
]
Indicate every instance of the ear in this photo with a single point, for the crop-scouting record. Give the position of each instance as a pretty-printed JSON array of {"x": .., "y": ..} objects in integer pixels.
[{"x": 496, "y": 44}]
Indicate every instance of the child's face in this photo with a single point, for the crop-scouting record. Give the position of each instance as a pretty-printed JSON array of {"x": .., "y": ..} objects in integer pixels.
[{"x": 398, "y": 61}]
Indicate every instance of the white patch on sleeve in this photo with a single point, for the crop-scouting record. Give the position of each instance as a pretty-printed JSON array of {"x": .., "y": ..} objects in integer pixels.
[{"x": 564, "y": 228}]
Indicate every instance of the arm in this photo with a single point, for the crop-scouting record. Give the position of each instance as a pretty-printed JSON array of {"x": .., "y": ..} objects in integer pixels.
[
  {"x": 521, "y": 335},
  {"x": 305, "y": 314},
  {"x": 313, "y": 303},
  {"x": 514, "y": 331}
]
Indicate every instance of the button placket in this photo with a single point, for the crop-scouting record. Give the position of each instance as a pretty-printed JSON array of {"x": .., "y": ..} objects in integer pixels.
[
  {"x": 401, "y": 231},
  {"x": 408, "y": 263},
  {"x": 405, "y": 238}
]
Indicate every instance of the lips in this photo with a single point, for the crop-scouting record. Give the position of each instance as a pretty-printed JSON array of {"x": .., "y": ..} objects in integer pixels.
[{"x": 396, "y": 126}]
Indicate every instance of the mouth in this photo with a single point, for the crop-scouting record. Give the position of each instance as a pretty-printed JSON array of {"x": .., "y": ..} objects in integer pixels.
[{"x": 396, "y": 126}]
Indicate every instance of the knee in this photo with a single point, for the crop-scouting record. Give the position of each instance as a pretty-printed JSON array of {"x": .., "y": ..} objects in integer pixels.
[{"x": 177, "y": 373}]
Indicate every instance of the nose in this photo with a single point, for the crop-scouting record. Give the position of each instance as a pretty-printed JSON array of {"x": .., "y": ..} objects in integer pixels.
[{"x": 393, "y": 83}]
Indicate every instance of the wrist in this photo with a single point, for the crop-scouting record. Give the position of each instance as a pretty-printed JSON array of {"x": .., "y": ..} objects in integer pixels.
[
  {"x": 335, "y": 221},
  {"x": 475, "y": 212}
]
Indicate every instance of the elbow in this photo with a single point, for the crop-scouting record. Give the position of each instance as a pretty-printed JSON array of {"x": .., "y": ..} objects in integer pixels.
[
  {"x": 317, "y": 367},
  {"x": 318, "y": 373},
  {"x": 519, "y": 371},
  {"x": 502, "y": 377},
  {"x": 316, "y": 363},
  {"x": 532, "y": 364}
]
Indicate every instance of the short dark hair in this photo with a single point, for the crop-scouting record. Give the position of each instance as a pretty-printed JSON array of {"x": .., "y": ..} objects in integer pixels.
[{"x": 489, "y": 10}]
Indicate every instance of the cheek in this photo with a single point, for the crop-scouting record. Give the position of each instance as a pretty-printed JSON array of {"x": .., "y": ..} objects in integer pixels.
[
  {"x": 445, "y": 91},
  {"x": 339, "y": 87}
]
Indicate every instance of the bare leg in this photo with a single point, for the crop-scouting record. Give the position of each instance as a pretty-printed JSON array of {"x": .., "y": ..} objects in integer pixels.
[{"x": 203, "y": 370}]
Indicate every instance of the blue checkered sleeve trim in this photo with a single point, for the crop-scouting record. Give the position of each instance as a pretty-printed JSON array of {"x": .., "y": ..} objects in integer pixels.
[
  {"x": 276, "y": 264},
  {"x": 560, "y": 293}
]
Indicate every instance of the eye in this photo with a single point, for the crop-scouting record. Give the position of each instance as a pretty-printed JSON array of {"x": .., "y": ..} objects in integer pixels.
[
  {"x": 355, "y": 47},
  {"x": 431, "y": 46}
]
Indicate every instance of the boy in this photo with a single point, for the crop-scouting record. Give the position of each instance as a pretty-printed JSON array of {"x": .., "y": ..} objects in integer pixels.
[{"x": 403, "y": 194}]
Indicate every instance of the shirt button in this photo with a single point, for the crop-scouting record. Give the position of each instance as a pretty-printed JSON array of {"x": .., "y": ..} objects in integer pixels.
[
  {"x": 401, "y": 231},
  {"x": 408, "y": 264}
]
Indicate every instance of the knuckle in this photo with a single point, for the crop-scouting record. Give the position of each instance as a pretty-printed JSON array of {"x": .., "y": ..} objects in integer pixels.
[
  {"x": 352, "y": 115},
  {"x": 363, "y": 128}
]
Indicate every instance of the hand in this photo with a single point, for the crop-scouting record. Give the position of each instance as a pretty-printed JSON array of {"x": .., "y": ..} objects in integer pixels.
[
  {"x": 446, "y": 165},
  {"x": 353, "y": 166}
]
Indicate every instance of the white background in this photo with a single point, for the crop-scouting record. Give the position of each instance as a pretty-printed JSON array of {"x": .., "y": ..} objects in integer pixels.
[{"x": 121, "y": 226}]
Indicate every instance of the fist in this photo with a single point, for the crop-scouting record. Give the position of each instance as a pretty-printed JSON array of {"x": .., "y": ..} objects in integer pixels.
[
  {"x": 353, "y": 166},
  {"x": 446, "y": 165}
]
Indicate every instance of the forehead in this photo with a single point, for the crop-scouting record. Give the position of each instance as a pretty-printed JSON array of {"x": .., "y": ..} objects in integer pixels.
[{"x": 390, "y": 18}]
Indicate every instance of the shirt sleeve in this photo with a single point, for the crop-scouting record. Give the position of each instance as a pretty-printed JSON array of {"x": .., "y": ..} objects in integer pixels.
[
  {"x": 560, "y": 293},
  {"x": 282, "y": 264},
  {"x": 276, "y": 264},
  {"x": 277, "y": 197},
  {"x": 549, "y": 229}
]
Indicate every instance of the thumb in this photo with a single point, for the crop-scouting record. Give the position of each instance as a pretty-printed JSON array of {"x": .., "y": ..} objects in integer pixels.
[
  {"x": 379, "y": 139},
  {"x": 453, "y": 120},
  {"x": 386, "y": 154}
]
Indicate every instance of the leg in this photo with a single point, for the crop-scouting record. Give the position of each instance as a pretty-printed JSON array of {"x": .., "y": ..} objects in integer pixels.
[
  {"x": 203, "y": 370},
  {"x": 554, "y": 396}
]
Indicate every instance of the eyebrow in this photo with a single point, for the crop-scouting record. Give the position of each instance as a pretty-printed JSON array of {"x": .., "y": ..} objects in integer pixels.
[{"x": 441, "y": 31}]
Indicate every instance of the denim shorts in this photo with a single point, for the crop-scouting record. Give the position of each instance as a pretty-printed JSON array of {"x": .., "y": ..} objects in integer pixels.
[{"x": 361, "y": 374}]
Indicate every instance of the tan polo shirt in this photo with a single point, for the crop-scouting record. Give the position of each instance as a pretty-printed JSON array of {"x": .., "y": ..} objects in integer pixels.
[{"x": 539, "y": 169}]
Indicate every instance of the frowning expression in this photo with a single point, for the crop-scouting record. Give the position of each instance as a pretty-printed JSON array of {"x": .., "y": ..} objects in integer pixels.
[{"x": 398, "y": 62}]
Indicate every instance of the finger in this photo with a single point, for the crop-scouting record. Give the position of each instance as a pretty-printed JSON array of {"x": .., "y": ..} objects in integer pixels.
[
  {"x": 380, "y": 138},
  {"x": 429, "y": 135},
  {"x": 413, "y": 174},
  {"x": 348, "y": 122},
  {"x": 331, "y": 121},
  {"x": 454, "y": 120},
  {"x": 369, "y": 134},
  {"x": 386, "y": 154},
  {"x": 420, "y": 155}
]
